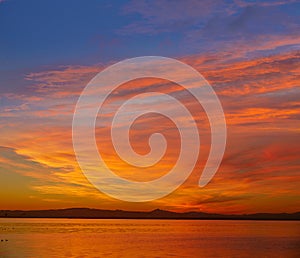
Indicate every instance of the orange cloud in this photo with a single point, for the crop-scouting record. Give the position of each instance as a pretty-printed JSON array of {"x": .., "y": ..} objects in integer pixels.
[{"x": 261, "y": 103}]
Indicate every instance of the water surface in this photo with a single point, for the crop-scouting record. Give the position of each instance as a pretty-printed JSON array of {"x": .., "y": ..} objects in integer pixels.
[{"x": 148, "y": 238}]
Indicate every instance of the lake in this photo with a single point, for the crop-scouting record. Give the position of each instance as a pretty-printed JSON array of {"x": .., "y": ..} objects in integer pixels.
[{"x": 148, "y": 238}]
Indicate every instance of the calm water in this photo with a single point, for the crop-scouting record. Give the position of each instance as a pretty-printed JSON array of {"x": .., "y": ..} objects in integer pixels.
[{"x": 148, "y": 238}]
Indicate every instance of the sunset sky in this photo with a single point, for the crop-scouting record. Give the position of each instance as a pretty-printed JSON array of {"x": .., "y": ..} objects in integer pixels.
[{"x": 249, "y": 52}]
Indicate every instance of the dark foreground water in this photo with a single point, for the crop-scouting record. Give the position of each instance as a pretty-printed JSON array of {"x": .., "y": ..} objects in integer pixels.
[{"x": 148, "y": 238}]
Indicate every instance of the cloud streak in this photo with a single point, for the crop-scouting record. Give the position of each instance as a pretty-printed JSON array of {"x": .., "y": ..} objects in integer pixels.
[{"x": 260, "y": 97}]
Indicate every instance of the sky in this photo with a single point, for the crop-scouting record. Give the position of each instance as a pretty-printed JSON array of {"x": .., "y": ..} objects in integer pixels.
[{"x": 249, "y": 52}]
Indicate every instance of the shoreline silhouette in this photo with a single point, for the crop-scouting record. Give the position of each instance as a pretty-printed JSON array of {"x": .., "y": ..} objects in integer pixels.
[{"x": 88, "y": 213}]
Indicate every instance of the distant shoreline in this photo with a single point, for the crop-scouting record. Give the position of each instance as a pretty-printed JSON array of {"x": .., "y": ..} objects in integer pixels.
[
  {"x": 87, "y": 213},
  {"x": 236, "y": 219}
]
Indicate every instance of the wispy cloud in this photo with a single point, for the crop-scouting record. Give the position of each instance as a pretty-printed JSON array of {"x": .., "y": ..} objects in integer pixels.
[
  {"x": 241, "y": 28},
  {"x": 70, "y": 78},
  {"x": 260, "y": 97}
]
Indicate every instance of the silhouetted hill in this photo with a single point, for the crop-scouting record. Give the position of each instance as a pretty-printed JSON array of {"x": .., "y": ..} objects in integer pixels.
[{"x": 155, "y": 214}]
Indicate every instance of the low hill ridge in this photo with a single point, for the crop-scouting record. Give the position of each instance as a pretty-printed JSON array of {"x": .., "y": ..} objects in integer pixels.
[{"x": 155, "y": 214}]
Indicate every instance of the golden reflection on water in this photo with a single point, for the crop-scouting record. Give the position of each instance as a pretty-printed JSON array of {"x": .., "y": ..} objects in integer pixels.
[{"x": 148, "y": 238}]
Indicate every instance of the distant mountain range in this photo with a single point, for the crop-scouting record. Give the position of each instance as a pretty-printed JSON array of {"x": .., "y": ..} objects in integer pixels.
[{"x": 155, "y": 214}]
